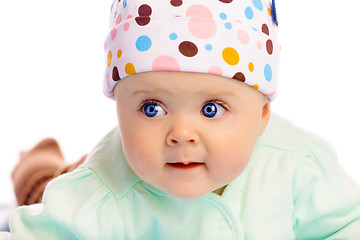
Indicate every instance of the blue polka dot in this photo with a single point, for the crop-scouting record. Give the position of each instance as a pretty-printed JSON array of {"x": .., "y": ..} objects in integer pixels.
[
  {"x": 274, "y": 13},
  {"x": 268, "y": 72},
  {"x": 173, "y": 36},
  {"x": 143, "y": 43},
  {"x": 223, "y": 16},
  {"x": 258, "y": 4},
  {"x": 208, "y": 47},
  {"x": 125, "y": 3},
  {"x": 249, "y": 13},
  {"x": 228, "y": 25},
  {"x": 115, "y": 15}
]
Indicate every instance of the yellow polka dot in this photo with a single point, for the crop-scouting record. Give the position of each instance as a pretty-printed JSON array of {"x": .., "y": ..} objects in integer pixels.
[
  {"x": 230, "y": 56},
  {"x": 251, "y": 67},
  {"x": 269, "y": 11},
  {"x": 255, "y": 86},
  {"x": 129, "y": 68},
  {"x": 119, "y": 53},
  {"x": 109, "y": 59}
]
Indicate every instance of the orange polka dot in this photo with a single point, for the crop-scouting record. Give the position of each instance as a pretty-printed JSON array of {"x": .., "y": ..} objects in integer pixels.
[
  {"x": 230, "y": 56},
  {"x": 119, "y": 53},
  {"x": 109, "y": 59},
  {"x": 251, "y": 67},
  {"x": 129, "y": 68},
  {"x": 255, "y": 86},
  {"x": 269, "y": 11}
]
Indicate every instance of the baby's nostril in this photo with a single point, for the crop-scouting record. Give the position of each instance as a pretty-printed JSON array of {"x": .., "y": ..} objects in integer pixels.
[{"x": 175, "y": 141}]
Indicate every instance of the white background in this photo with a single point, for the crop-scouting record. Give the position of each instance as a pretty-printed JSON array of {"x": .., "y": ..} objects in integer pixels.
[{"x": 52, "y": 63}]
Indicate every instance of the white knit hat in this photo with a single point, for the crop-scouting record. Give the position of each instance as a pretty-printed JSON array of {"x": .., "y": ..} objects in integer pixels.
[{"x": 231, "y": 38}]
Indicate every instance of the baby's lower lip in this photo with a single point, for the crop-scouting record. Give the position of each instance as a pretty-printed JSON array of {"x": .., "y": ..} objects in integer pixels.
[{"x": 185, "y": 166}]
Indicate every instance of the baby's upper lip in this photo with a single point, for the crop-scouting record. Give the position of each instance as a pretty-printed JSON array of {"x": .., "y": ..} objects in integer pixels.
[{"x": 183, "y": 161}]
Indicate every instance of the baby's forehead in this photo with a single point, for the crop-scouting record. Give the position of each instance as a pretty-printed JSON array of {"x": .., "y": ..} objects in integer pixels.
[{"x": 185, "y": 83}]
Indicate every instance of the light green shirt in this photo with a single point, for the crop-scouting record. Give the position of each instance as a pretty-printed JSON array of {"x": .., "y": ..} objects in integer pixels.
[{"x": 293, "y": 188}]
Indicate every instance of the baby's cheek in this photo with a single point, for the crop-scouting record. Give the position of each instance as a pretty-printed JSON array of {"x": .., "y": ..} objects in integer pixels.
[
  {"x": 138, "y": 148},
  {"x": 234, "y": 156},
  {"x": 140, "y": 156},
  {"x": 136, "y": 138}
]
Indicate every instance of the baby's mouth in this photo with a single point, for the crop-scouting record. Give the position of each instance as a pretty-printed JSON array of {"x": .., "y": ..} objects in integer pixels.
[{"x": 181, "y": 165}]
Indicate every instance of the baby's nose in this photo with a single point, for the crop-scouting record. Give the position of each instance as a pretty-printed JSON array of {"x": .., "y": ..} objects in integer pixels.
[{"x": 181, "y": 134}]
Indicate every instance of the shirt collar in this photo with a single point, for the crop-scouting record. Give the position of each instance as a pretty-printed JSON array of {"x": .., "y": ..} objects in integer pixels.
[{"x": 108, "y": 161}]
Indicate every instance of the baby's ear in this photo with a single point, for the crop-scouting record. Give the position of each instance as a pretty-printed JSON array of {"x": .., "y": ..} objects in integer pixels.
[{"x": 265, "y": 117}]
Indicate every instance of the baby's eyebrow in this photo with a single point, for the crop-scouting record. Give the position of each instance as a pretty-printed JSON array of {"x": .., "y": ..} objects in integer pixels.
[
  {"x": 155, "y": 91},
  {"x": 219, "y": 93}
]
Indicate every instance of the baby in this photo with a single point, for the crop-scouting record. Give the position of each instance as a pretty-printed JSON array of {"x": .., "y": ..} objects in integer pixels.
[{"x": 196, "y": 154}]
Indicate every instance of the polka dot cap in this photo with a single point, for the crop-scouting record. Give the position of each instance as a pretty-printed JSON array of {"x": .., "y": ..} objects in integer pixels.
[{"x": 231, "y": 38}]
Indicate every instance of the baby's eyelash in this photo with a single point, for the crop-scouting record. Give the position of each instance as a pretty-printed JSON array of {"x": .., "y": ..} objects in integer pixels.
[
  {"x": 220, "y": 102},
  {"x": 147, "y": 101}
]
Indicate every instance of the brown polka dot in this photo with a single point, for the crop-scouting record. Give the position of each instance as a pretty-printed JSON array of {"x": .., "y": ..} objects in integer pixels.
[
  {"x": 144, "y": 10},
  {"x": 239, "y": 76},
  {"x": 265, "y": 29},
  {"x": 226, "y": 1},
  {"x": 142, "y": 21},
  {"x": 269, "y": 46},
  {"x": 176, "y": 3},
  {"x": 188, "y": 49},
  {"x": 115, "y": 74}
]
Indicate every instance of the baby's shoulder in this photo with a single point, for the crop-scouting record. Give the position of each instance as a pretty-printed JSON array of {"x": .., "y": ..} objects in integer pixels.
[
  {"x": 76, "y": 188},
  {"x": 283, "y": 135}
]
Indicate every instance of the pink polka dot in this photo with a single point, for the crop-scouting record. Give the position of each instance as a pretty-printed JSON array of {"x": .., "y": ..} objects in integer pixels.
[
  {"x": 259, "y": 45},
  {"x": 201, "y": 24},
  {"x": 118, "y": 19},
  {"x": 165, "y": 63},
  {"x": 105, "y": 46},
  {"x": 243, "y": 37},
  {"x": 202, "y": 29},
  {"x": 126, "y": 26},
  {"x": 199, "y": 11},
  {"x": 215, "y": 70},
  {"x": 113, "y": 34},
  {"x": 271, "y": 94},
  {"x": 108, "y": 81},
  {"x": 110, "y": 94}
]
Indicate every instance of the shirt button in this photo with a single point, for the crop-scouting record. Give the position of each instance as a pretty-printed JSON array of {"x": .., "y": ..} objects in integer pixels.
[{"x": 222, "y": 224}]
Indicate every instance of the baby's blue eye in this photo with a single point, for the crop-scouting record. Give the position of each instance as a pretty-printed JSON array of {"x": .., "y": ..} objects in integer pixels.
[
  {"x": 211, "y": 110},
  {"x": 153, "y": 110}
]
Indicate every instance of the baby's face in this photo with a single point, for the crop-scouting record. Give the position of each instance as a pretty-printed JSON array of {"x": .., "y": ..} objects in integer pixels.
[{"x": 188, "y": 133}]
